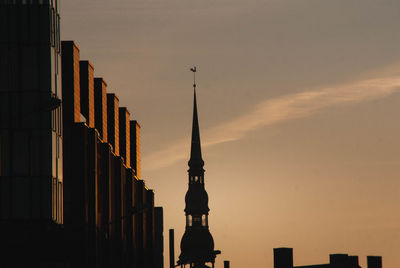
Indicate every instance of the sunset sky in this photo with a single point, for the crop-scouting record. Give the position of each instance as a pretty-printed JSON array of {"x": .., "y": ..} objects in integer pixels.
[{"x": 299, "y": 104}]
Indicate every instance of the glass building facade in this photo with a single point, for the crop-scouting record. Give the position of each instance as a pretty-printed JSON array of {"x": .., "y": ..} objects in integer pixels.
[
  {"x": 31, "y": 176},
  {"x": 68, "y": 197}
]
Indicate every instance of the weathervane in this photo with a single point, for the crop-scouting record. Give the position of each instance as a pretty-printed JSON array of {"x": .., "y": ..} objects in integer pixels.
[{"x": 194, "y": 76}]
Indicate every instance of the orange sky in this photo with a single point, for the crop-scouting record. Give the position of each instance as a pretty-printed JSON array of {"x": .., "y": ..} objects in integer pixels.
[{"x": 298, "y": 108}]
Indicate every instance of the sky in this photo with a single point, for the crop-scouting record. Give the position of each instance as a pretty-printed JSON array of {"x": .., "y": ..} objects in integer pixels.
[{"x": 298, "y": 104}]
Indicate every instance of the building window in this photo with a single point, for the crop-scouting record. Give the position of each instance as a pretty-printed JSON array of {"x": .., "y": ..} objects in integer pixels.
[
  {"x": 58, "y": 34},
  {"x": 53, "y": 26},
  {"x": 54, "y": 153},
  {"x": 54, "y": 199},
  {"x": 204, "y": 220},
  {"x": 197, "y": 179},
  {"x": 1, "y": 158},
  {"x": 21, "y": 153},
  {"x": 59, "y": 121},
  {"x": 189, "y": 220},
  {"x": 60, "y": 160}
]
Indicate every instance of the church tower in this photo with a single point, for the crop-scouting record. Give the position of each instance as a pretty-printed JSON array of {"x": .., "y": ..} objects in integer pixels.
[{"x": 197, "y": 244}]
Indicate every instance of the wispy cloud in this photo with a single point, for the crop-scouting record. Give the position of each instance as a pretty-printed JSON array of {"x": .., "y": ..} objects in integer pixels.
[{"x": 280, "y": 109}]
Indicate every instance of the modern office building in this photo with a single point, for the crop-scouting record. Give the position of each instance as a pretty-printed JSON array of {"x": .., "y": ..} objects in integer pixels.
[
  {"x": 68, "y": 194},
  {"x": 283, "y": 258},
  {"x": 109, "y": 216},
  {"x": 197, "y": 244},
  {"x": 31, "y": 140}
]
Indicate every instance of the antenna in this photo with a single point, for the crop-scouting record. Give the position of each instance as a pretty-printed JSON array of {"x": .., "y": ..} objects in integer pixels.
[{"x": 194, "y": 76}]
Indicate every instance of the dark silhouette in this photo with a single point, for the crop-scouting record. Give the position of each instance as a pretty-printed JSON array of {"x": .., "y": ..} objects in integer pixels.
[
  {"x": 71, "y": 193},
  {"x": 283, "y": 258},
  {"x": 171, "y": 248},
  {"x": 197, "y": 244}
]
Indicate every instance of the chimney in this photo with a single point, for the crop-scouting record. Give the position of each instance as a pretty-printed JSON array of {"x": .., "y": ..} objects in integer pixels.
[
  {"x": 283, "y": 258},
  {"x": 226, "y": 264},
  {"x": 171, "y": 249},
  {"x": 158, "y": 237},
  {"x": 374, "y": 261}
]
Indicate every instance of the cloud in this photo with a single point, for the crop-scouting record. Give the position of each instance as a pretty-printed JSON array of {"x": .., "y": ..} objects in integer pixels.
[{"x": 280, "y": 109}]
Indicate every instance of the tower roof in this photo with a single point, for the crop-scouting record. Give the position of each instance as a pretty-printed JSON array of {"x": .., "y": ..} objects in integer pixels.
[{"x": 196, "y": 162}]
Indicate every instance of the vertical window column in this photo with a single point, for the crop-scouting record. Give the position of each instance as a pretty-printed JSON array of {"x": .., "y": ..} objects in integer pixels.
[{"x": 1, "y": 156}]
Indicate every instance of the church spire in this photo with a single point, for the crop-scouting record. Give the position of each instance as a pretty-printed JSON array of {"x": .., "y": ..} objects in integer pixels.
[
  {"x": 196, "y": 162},
  {"x": 197, "y": 244}
]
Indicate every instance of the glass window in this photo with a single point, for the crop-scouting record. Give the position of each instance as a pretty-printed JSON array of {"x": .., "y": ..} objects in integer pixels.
[
  {"x": 59, "y": 121},
  {"x": 1, "y": 153},
  {"x": 58, "y": 203},
  {"x": 53, "y": 72},
  {"x": 5, "y": 148},
  {"x": 52, "y": 119},
  {"x": 52, "y": 27},
  {"x": 21, "y": 153},
  {"x": 20, "y": 197},
  {"x": 189, "y": 220},
  {"x": 204, "y": 220},
  {"x": 60, "y": 160},
  {"x": 35, "y": 154},
  {"x": 61, "y": 202},
  {"x": 58, "y": 36},
  {"x": 54, "y": 153},
  {"x": 54, "y": 197},
  {"x": 35, "y": 197}
]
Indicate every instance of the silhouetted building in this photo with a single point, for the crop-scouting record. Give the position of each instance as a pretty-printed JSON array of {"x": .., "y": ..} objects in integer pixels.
[
  {"x": 31, "y": 173},
  {"x": 68, "y": 194},
  {"x": 159, "y": 237},
  {"x": 135, "y": 146},
  {"x": 374, "y": 261},
  {"x": 110, "y": 218},
  {"x": 86, "y": 80},
  {"x": 197, "y": 244},
  {"x": 283, "y": 258}
]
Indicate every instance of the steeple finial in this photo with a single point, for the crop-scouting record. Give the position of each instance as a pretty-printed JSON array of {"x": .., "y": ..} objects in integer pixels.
[
  {"x": 194, "y": 77},
  {"x": 196, "y": 162}
]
